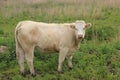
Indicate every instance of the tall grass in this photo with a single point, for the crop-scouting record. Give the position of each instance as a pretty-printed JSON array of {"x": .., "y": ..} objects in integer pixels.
[
  {"x": 64, "y": 11},
  {"x": 86, "y": 8}
]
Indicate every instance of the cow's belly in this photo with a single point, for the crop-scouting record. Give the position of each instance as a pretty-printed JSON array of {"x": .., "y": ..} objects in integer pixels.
[
  {"x": 48, "y": 47},
  {"x": 47, "y": 50}
]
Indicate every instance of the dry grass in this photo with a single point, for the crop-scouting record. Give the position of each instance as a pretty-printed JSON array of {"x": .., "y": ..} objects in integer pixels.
[{"x": 75, "y": 8}]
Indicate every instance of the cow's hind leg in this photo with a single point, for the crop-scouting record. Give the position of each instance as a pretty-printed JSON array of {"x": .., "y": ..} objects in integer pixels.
[
  {"x": 62, "y": 55},
  {"x": 29, "y": 54},
  {"x": 20, "y": 57}
]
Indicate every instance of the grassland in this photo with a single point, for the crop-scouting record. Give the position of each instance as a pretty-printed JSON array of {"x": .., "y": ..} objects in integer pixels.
[{"x": 99, "y": 55}]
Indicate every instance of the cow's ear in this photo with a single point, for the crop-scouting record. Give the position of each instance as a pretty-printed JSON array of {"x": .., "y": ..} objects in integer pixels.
[
  {"x": 72, "y": 26},
  {"x": 88, "y": 25}
]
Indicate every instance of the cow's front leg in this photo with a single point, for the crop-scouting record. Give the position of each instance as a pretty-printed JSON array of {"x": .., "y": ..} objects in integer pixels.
[
  {"x": 69, "y": 57},
  {"x": 62, "y": 55}
]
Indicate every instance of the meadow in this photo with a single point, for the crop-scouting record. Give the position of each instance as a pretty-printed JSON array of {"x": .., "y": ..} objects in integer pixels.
[{"x": 99, "y": 55}]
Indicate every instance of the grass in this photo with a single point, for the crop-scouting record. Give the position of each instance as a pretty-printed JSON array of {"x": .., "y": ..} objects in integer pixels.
[{"x": 97, "y": 59}]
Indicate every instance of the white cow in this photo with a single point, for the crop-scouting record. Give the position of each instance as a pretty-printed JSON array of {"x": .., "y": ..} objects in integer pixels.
[{"x": 48, "y": 37}]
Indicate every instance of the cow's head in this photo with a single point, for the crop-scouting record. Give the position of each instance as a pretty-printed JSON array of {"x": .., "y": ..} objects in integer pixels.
[{"x": 80, "y": 27}]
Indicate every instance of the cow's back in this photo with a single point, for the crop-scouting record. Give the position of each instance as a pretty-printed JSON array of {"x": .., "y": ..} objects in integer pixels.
[{"x": 48, "y": 37}]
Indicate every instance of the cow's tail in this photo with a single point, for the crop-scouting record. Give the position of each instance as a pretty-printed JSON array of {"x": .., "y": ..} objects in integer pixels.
[{"x": 19, "y": 49}]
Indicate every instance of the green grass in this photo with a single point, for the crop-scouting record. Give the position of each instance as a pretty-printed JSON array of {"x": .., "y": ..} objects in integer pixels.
[{"x": 97, "y": 59}]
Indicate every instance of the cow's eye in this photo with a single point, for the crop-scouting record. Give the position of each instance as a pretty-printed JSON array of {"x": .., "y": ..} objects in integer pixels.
[
  {"x": 83, "y": 28},
  {"x": 76, "y": 29}
]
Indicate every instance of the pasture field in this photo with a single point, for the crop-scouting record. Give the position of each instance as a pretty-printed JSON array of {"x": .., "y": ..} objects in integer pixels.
[{"x": 99, "y": 55}]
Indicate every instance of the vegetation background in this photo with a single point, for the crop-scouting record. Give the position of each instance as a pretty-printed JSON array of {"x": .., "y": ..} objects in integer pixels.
[{"x": 99, "y": 55}]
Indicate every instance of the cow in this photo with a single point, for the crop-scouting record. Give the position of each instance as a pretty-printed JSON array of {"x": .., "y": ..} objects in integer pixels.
[{"x": 64, "y": 38}]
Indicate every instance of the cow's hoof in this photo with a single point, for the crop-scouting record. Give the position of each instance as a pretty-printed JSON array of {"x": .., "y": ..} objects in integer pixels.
[
  {"x": 70, "y": 68},
  {"x": 60, "y": 72},
  {"x": 33, "y": 74},
  {"x": 23, "y": 74}
]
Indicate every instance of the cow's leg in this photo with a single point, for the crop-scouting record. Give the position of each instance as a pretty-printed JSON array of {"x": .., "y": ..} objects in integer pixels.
[
  {"x": 62, "y": 56},
  {"x": 20, "y": 56},
  {"x": 69, "y": 57},
  {"x": 29, "y": 54}
]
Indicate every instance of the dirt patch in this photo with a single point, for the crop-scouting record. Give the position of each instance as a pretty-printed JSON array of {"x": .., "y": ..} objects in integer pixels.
[
  {"x": 118, "y": 51},
  {"x": 2, "y": 49}
]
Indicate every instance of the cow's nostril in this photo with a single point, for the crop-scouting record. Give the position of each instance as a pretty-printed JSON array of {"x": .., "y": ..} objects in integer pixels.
[{"x": 80, "y": 36}]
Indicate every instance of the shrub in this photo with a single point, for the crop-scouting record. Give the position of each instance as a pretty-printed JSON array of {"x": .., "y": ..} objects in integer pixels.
[{"x": 101, "y": 33}]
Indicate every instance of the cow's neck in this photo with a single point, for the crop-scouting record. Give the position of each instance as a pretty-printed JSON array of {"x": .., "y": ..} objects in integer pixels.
[{"x": 77, "y": 42}]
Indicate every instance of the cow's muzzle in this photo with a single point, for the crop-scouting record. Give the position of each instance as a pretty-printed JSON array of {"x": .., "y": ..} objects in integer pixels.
[{"x": 80, "y": 36}]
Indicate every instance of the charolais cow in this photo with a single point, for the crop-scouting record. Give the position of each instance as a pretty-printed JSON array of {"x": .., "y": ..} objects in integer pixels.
[{"x": 48, "y": 37}]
